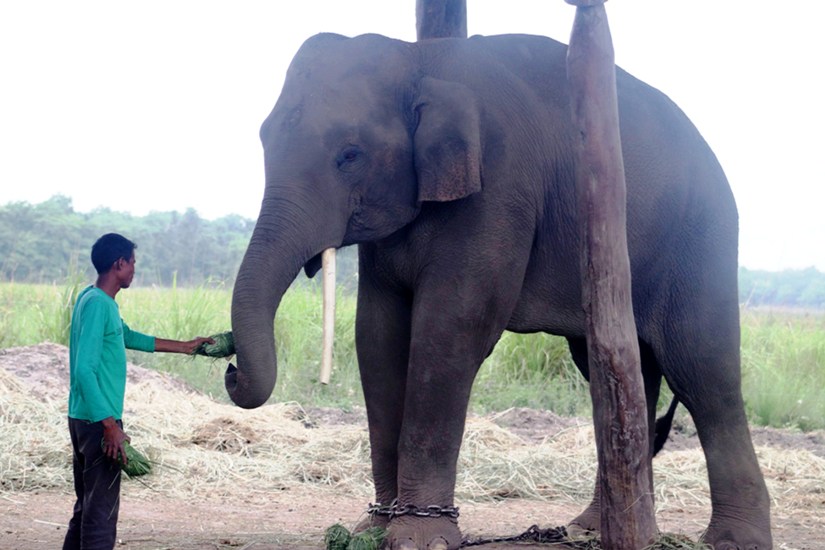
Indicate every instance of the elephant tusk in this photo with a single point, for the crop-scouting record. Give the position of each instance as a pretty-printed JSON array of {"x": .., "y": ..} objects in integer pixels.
[{"x": 328, "y": 269}]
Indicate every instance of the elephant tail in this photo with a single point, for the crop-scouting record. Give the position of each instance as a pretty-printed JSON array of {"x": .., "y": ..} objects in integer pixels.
[{"x": 662, "y": 429}]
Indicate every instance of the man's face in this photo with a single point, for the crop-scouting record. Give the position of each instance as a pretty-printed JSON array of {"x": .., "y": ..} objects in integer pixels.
[{"x": 126, "y": 271}]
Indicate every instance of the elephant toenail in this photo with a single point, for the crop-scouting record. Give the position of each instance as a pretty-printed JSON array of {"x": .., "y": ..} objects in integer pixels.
[
  {"x": 574, "y": 530},
  {"x": 438, "y": 544},
  {"x": 406, "y": 544}
]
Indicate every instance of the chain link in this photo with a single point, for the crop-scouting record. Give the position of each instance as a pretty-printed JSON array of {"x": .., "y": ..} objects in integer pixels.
[
  {"x": 533, "y": 534},
  {"x": 553, "y": 535},
  {"x": 394, "y": 510}
]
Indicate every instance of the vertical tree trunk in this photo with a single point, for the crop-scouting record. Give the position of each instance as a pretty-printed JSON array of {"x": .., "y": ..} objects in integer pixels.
[
  {"x": 616, "y": 385},
  {"x": 441, "y": 19}
]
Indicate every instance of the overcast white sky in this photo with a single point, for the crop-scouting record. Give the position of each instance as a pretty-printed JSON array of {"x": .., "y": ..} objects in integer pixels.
[{"x": 156, "y": 105}]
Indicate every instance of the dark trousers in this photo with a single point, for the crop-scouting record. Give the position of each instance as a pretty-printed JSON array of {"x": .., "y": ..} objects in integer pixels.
[{"x": 97, "y": 486}]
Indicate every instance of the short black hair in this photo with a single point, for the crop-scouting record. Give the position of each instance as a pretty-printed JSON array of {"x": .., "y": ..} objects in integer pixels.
[{"x": 110, "y": 248}]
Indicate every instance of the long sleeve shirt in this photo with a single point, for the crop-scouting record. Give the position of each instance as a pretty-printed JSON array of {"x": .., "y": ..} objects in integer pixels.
[{"x": 97, "y": 356}]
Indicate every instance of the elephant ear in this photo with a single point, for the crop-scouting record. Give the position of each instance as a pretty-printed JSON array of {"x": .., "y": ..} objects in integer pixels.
[{"x": 447, "y": 141}]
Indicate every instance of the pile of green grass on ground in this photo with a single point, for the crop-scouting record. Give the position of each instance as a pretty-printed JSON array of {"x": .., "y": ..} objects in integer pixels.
[{"x": 783, "y": 353}]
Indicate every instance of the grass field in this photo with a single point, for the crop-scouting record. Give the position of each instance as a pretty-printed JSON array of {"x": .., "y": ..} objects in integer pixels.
[{"x": 783, "y": 353}]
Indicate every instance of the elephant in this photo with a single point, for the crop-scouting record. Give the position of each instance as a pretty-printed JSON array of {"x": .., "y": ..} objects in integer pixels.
[{"x": 451, "y": 164}]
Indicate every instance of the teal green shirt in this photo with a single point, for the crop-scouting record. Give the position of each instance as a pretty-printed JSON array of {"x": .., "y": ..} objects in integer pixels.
[{"x": 97, "y": 356}]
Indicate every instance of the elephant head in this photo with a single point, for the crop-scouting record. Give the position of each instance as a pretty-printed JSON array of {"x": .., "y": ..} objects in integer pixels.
[{"x": 359, "y": 138}]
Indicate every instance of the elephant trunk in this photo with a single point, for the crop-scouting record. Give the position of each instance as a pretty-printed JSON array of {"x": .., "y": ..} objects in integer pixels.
[{"x": 268, "y": 268}]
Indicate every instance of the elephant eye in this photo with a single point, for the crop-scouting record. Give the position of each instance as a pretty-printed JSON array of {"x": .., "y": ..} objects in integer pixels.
[{"x": 348, "y": 155}]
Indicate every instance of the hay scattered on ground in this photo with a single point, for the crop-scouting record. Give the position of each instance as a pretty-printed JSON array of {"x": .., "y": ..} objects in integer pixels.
[{"x": 207, "y": 450}]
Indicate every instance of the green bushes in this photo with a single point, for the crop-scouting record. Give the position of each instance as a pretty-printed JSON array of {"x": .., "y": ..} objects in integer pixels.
[{"x": 783, "y": 353}]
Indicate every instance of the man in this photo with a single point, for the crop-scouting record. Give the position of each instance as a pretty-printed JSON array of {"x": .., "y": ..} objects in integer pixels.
[{"x": 97, "y": 363}]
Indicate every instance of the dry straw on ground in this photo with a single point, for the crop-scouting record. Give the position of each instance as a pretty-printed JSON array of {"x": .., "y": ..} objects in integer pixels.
[{"x": 207, "y": 450}]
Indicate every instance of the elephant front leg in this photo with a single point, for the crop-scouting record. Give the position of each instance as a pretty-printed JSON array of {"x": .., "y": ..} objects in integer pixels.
[
  {"x": 443, "y": 365},
  {"x": 382, "y": 342},
  {"x": 434, "y": 418}
]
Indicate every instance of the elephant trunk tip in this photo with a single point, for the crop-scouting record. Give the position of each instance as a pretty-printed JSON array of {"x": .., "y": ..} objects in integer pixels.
[{"x": 239, "y": 392}]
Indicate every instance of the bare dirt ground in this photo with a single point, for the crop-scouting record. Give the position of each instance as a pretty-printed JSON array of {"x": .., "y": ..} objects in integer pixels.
[{"x": 296, "y": 516}]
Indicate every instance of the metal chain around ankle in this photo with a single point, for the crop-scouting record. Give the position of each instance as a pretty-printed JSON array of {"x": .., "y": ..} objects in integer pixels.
[
  {"x": 553, "y": 536},
  {"x": 394, "y": 510}
]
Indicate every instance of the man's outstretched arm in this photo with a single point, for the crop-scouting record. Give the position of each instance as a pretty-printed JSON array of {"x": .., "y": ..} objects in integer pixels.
[{"x": 178, "y": 346}]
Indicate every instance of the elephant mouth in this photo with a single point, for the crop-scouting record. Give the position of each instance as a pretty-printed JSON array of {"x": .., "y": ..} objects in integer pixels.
[{"x": 313, "y": 266}]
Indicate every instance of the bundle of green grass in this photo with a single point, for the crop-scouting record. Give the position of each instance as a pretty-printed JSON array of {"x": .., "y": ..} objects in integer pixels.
[
  {"x": 136, "y": 463},
  {"x": 338, "y": 537},
  {"x": 224, "y": 346}
]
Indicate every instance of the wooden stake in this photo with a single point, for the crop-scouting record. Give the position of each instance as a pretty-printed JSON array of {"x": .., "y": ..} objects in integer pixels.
[
  {"x": 440, "y": 19},
  {"x": 616, "y": 385},
  {"x": 328, "y": 270}
]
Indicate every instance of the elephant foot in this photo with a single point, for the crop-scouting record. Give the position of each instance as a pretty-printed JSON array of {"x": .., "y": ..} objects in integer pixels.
[
  {"x": 416, "y": 533},
  {"x": 731, "y": 534},
  {"x": 585, "y": 524},
  {"x": 371, "y": 521}
]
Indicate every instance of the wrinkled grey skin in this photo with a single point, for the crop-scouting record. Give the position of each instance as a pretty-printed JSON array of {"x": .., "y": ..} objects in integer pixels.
[{"x": 451, "y": 163}]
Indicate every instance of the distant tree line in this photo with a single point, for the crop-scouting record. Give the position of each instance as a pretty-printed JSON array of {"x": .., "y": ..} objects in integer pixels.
[
  {"x": 48, "y": 242},
  {"x": 794, "y": 288}
]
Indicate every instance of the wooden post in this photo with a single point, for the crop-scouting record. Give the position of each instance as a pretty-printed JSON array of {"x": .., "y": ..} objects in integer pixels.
[
  {"x": 616, "y": 385},
  {"x": 441, "y": 19},
  {"x": 328, "y": 336}
]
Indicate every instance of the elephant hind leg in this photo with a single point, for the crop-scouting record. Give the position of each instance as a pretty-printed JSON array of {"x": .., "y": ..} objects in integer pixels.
[
  {"x": 701, "y": 365},
  {"x": 740, "y": 516},
  {"x": 590, "y": 519}
]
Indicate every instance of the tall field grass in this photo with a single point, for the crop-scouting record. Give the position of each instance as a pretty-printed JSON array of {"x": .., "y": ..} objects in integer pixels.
[
  {"x": 783, "y": 368},
  {"x": 783, "y": 353}
]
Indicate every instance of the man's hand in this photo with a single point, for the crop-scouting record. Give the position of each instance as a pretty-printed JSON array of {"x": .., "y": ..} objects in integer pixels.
[
  {"x": 176, "y": 346},
  {"x": 190, "y": 346},
  {"x": 113, "y": 438}
]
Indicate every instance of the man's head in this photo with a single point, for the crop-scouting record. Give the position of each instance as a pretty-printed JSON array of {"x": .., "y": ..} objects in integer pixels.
[{"x": 113, "y": 251}]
